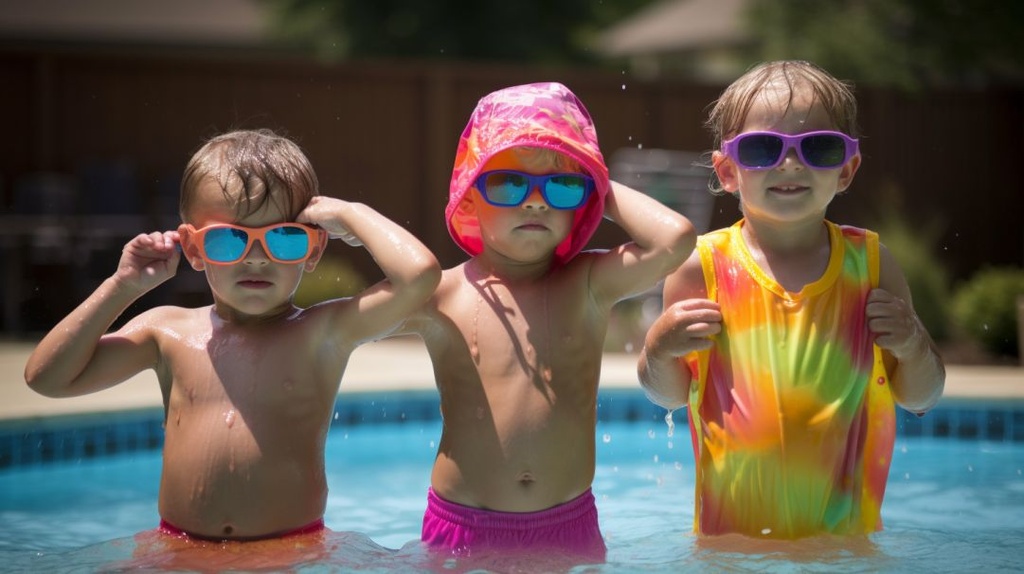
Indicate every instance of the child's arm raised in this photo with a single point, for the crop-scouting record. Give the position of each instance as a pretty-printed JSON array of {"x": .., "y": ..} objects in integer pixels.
[
  {"x": 411, "y": 270},
  {"x": 918, "y": 375},
  {"x": 661, "y": 240},
  {"x": 75, "y": 357}
]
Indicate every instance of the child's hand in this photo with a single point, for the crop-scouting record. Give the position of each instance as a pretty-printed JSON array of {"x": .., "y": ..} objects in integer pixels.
[
  {"x": 326, "y": 213},
  {"x": 148, "y": 260},
  {"x": 894, "y": 323},
  {"x": 684, "y": 327}
]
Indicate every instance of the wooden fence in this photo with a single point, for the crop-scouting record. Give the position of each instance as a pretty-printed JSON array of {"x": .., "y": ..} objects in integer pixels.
[{"x": 113, "y": 131}]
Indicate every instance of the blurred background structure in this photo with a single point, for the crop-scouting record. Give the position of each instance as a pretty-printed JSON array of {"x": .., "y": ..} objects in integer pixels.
[{"x": 105, "y": 100}]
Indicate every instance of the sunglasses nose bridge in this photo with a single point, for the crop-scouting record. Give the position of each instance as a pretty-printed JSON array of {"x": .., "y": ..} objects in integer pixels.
[
  {"x": 535, "y": 198},
  {"x": 257, "y": 251},
  {"x": 790, "y": 156}
]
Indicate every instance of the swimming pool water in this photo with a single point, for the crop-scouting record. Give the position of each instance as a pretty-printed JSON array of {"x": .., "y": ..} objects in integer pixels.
[{"x": 951, "y": 506}]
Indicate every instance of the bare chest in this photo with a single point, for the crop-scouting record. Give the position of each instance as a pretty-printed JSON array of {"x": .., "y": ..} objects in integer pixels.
[{"x": 536, "y": 335}]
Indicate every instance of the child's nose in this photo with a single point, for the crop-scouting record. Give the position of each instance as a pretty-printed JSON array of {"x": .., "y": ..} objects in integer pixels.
[
  {"x": 257, "y": 255},
  {"x": 791, "y": 160},
  {"x": 535, "y": 200}
]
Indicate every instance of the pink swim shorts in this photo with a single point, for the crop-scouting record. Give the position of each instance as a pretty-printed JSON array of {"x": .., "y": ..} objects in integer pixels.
[{"x": 570, "y": 528}]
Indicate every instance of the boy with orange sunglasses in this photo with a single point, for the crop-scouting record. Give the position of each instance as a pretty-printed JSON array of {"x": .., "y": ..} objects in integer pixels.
[{"x": 249, "y": 383}]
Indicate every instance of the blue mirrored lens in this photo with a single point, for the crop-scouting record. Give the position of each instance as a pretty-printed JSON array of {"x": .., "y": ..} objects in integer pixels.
[
  {"x": 225, "y": 244},
  {"x": 506, "y": 188},
  {"x": 565, "y": 191},
  {"x": 288, "y": 243}
]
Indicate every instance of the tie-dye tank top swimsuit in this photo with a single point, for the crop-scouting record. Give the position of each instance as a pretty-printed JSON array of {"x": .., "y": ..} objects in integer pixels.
[{"x": 791, "y": 414}]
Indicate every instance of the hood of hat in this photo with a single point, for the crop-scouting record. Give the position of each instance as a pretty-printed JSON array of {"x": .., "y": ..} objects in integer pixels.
[{"x": 544, "y": 115}]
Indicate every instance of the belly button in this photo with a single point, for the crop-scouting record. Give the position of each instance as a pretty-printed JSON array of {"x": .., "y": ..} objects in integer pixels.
[
  {"x": 526, "y": 478},
  {"x": 228, "y": 530}
]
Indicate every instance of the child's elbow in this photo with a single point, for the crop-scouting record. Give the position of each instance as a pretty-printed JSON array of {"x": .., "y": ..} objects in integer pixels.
[
  {"x": 427, "y": 274},
  {"x": 923, "y": 400},
  {"x": 680, "y": 240},
  {"x": 43, "y": 385}
]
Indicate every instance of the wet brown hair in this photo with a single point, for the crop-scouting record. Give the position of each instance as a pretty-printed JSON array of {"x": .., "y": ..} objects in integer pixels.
[
  {"x": 252, "y": 167},
  {"x": 730, "y": 111}
]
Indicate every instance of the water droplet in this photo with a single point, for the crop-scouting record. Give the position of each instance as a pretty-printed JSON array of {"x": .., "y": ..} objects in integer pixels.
[
  {"x": 229, "y": 418},
  {"x": 650, "y": 433},
  {"x": 623, "y": 87},
  {"x": 607, "y": 438},
  {"x": 656, "y": 459},
  {"x": 766, "y": 531},
  {"x": 671, "y": 423}
]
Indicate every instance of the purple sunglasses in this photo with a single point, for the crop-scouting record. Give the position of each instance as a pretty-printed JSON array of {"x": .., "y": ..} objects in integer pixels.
[{"x": 766, "y": 150}]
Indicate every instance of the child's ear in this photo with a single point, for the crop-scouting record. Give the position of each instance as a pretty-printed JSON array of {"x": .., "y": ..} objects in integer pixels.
[
  {"x": 189, "y": 248},
  {"x": 726, "y": 171},
  {"x": 849, "y": 170},
  {"x": 468, "y": 203},
  {"x": 318, "y": 251}
]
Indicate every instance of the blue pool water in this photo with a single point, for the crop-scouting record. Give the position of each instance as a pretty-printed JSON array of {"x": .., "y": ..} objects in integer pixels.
[{"x": 953, "y": 504}]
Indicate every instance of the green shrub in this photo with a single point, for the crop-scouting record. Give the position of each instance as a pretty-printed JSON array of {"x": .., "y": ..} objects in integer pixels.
[
  {"x": 985, "y": 308},
  {"x": 333, "y": 277}
]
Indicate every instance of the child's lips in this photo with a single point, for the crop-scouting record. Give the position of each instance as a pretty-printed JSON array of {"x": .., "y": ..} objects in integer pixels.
[
  {"x": 788, "y": 188},
  {"x": 254, "y": 283},
  {"x": 533, "y": 226}
]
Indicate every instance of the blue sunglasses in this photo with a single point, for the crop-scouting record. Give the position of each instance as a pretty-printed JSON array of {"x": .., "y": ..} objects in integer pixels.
[
  {"x": 509, "y": 188},
  {"x": 766, "y": 150}
]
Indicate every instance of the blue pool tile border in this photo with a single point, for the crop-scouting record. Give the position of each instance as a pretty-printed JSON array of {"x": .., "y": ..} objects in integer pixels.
[{"x": 26, "y": 442}]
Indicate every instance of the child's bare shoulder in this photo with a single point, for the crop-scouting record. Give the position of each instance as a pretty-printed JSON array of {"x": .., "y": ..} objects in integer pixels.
[{"x": 167, "y": 318}]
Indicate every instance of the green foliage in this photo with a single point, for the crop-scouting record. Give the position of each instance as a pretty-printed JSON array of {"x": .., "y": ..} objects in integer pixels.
[
  {"x": 909, "y": 44},
  {"x": 914, "y": 249},
  {"x": 985, "y": 308},
  {"x": 334, "y": 277},
  {"x": 522, "y": 31}
]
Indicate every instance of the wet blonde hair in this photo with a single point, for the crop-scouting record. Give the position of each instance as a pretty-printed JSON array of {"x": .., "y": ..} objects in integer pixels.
[
  {"x": 729, "y": 112},
  {"x": 252, "y": 167}
]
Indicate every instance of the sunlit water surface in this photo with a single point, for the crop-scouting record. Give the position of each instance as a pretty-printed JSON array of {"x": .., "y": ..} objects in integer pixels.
[{"x": 951, "y": 506}]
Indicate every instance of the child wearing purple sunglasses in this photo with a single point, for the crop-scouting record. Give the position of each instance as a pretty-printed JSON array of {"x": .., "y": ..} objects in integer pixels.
[
  {"x": 249, "y": 383},
  {"x": 789, "y": 337}
]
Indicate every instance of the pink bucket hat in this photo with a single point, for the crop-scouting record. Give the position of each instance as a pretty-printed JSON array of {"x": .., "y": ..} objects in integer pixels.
[{"x": 544, "y": 115}]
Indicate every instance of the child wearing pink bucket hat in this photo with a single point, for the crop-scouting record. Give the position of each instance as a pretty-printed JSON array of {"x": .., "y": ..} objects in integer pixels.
[{"x": 516, "y": 333}]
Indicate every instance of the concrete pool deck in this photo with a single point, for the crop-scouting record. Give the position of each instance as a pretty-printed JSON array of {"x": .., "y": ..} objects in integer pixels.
[{"x": 403, "y": 364}]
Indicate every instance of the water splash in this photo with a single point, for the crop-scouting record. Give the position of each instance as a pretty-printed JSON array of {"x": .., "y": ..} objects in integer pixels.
[{"x": 671, "y": 423}]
